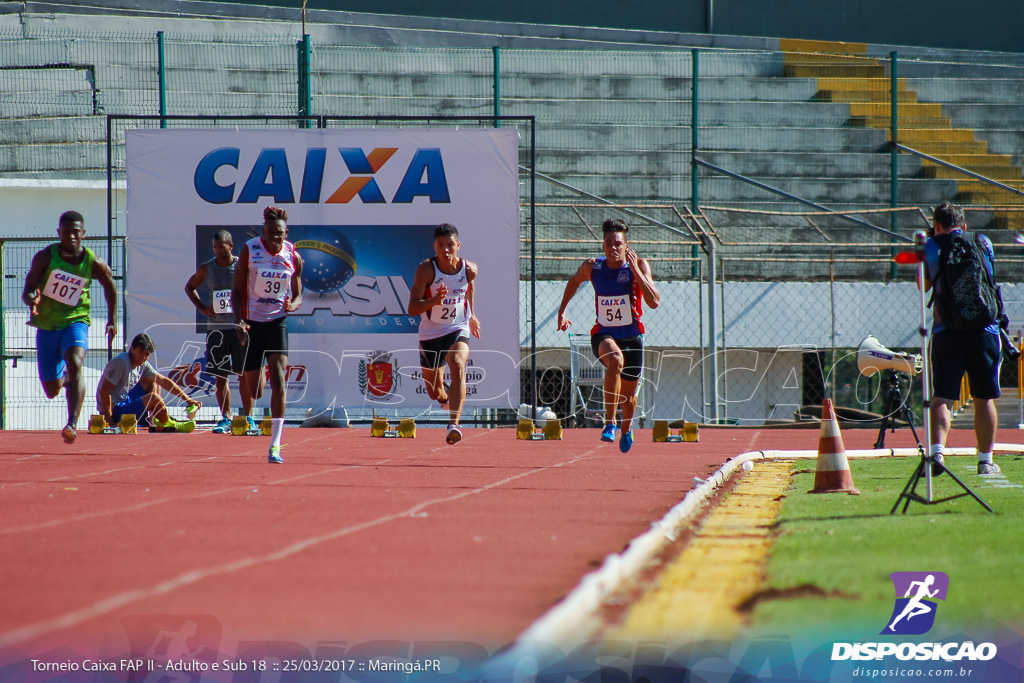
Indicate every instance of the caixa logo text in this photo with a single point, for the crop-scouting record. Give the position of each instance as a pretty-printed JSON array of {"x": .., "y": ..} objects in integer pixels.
[{"x": 218, "y": 176}]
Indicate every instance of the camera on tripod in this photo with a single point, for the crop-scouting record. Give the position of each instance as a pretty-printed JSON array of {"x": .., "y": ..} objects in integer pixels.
[{"x": 873, "y": 357}]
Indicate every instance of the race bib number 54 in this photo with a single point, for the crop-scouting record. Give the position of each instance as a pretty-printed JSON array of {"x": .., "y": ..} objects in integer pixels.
[
  {"x": 64, "y": 287},
  {"x": 614, "y": 311}
]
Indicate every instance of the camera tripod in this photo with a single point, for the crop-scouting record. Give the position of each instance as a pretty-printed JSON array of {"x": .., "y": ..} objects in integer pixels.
[{"x": 896, "y": 406}]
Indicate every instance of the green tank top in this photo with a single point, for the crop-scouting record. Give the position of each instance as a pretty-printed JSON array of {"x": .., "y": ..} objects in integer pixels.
[{"x": 65, "y": 290}]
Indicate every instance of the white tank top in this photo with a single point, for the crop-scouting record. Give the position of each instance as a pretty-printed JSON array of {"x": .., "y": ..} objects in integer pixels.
[
  {"x": 270, "y": 280},
  {"x": 452, "y": 313}
]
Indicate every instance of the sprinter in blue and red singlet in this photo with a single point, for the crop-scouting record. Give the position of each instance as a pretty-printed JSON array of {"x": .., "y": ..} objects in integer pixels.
[{"x": 620, "y": 280}]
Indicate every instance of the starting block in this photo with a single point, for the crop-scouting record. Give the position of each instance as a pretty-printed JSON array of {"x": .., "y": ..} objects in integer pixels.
[
  {"x": 128, "y": 425},
  {"x": 97, "y": 424},
  {"x": 240, "y": 427},
  {"x": 406, "y": 428},
  {"x": 551, "y": 431},
  {"x": 663, "y": 433}
]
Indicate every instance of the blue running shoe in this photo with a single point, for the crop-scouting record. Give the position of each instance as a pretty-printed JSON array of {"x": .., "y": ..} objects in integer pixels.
[
  {"x": 626, "y": 442},
  {"x": 253, "y": 427},
  {"x": 609, "y": 433},
  {"x": 223, "y": 427},
  {"x": 275, "y": 455}
]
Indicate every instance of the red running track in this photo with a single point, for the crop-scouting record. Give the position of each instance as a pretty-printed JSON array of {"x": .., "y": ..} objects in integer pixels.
[{"x": 108, "y": 541}]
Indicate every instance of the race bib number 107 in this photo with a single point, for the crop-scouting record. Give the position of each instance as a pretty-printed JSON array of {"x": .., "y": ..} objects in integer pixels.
[{"x": 64, "y": 287}]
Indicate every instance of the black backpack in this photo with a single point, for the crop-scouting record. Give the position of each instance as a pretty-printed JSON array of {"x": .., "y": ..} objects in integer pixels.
[{"x": 965, "y": 295}]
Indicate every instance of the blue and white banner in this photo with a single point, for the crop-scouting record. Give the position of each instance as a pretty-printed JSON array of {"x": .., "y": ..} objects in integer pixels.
[{"x": 362, "y": 206}]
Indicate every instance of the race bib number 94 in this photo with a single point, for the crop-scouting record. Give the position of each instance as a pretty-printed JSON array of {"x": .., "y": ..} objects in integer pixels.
[
  {"x": 272, "y": 284},
  {"x": 222, "y": 301},
  {"x": 614, "y": 311},
  {"x": 64, "y": 287}
]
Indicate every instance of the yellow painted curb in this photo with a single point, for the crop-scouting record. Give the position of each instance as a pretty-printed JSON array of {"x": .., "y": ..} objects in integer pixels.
[{"x": 697, "y": 595}]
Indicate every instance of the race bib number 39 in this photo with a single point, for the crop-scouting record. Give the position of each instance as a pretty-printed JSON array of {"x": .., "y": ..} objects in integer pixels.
[
  {"x": 64, "y": 287},
  {"x": 614, "y": 311},
  {"x": 222, "y": 301},
  {"x": 272, "y": 284}
]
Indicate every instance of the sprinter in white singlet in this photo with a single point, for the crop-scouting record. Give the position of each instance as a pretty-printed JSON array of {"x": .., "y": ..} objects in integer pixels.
[
  {"x": 267, "y": 287},
  {"x": 442, "y": 295}
]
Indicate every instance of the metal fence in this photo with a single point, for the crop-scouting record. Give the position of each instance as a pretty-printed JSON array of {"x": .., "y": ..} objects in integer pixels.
[{"x": 761, "y": 184}]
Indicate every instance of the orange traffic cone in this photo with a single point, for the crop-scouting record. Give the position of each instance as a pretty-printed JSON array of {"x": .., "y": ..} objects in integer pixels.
[{"x": 833, "y": 471}]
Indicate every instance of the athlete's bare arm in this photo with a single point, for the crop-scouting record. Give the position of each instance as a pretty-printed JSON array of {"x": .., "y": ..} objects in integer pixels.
[
  {"x": 198, "y": 278},
  {"x": 30, "y": 295},
  {"x": 418, "y": 304},
  {"x": 642, "y": 272},
  {"x": 474, "y": 322},
  {"x": 101, "y": 273},
  {"x": 239, "y": 295},
  {"x": 296, "y": 301},
  {"x": 571, "y": 287}
]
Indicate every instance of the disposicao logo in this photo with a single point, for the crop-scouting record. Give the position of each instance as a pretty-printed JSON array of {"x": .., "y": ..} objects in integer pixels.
[{"x": 914, "y": 614}]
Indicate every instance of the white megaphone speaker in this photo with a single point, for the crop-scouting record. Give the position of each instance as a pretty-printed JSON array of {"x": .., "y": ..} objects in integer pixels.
[{"x": 872, "y": 357}]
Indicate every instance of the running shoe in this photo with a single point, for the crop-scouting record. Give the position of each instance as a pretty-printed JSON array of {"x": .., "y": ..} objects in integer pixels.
[
  {"x": 69, "y": 434},
  {"x": 252, "y": 423},
  {"x": 988, "y": 468},
  {"x": 172, "y": 425},
  {"x": 274, "y": 456},
  {"x": 223, "y": 427},
  {"x": 626, "y": 441},
  {"x": 609, "y": 433},
  {"x": 938, "y": 466},
  {"x": 454, "y": 435}
]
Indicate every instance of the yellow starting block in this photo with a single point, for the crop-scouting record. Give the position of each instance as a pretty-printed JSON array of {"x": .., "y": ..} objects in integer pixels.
[
  {"x": 128, "y": 425},
  {"x": 406, "y": 428},
  {"x": 551, "y": 431},
  {"x": 240, "y": 427},
  {"x": 663, "y": 433},
  {"x": 97, "y": 424}
]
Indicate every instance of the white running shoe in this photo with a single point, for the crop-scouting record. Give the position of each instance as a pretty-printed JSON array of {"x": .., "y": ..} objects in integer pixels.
[{"x": 454, "y": 435}]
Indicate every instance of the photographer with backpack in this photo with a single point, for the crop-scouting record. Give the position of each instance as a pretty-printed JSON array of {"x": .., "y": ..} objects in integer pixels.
[{"x": 967, "y": 314}]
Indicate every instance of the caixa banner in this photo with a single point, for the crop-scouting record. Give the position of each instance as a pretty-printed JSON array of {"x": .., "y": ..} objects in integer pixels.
[{"x": 362, "y": 207}]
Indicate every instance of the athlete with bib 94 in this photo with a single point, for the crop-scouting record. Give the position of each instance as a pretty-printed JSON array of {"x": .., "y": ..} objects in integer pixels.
[{"x": 620, "y": 279}]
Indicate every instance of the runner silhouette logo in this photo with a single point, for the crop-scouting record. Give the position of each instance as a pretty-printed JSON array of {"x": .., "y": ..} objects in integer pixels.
[{"x": 916, "y": 595}]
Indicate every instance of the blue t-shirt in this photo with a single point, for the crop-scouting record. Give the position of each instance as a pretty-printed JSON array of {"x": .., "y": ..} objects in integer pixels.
[{"x": 932, "y": 248}]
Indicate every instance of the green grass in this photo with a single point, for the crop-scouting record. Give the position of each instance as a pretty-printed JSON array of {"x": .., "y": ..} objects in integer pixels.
[{"x": 848, "y": 545}]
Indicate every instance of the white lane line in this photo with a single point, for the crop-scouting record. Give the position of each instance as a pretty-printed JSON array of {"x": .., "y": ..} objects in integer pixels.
[
  {"x": 102, "y": 607},
  {"x": 162, "y": 501}
]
